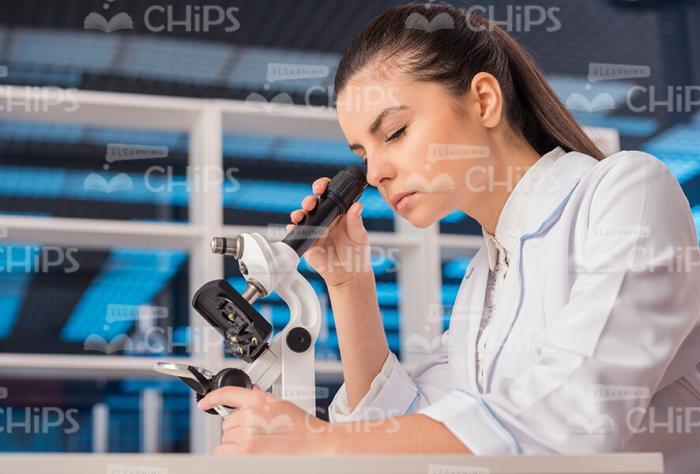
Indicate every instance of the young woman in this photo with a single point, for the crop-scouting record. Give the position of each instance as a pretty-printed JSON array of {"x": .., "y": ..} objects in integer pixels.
[{"x": 575, "y": 328}]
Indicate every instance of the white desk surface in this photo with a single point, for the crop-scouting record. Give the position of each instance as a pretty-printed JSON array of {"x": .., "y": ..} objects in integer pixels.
[{"x": 628, "y": 463}]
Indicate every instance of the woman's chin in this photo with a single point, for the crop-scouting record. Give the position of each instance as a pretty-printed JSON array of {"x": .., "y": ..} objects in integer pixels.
[{"x": 419, "y": 220}]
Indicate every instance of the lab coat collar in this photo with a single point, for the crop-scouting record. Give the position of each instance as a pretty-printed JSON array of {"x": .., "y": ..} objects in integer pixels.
[
  {"x": 511, "y": 220},
  {"x": 552, "y": 190}
]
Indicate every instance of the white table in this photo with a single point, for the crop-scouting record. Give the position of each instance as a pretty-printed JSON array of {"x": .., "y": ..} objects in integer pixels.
[{"x": 632, "y": 463}]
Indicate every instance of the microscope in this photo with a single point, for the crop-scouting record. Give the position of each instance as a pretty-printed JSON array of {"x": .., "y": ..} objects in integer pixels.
[{"x": 285, "y": 364}]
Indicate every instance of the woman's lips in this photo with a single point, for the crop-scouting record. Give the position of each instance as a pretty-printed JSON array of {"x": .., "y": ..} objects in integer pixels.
[{"x": 404, "y": 201}]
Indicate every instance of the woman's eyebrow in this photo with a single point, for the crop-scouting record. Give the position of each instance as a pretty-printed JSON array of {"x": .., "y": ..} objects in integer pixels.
[{"x": 378, "y": 122}]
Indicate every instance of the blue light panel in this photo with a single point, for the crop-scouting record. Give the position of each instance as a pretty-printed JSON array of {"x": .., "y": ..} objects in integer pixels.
[
  {"x": 179, "y": 60},
  {"x": 91, "y": 51},
  {"x": 12, "y": 289},
  {"x": 131, "y": 277},
  {"x": 679, "y": 148},
  {"x": 456, "y": 268}
]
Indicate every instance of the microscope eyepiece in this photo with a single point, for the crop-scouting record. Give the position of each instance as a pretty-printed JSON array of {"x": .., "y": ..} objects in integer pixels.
[
  {"x": 343, "y": 190},
  {"x": 347, "y": 186}
]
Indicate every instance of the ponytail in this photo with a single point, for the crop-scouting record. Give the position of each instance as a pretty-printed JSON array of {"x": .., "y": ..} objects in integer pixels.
[{"x": 544, "y": 120}]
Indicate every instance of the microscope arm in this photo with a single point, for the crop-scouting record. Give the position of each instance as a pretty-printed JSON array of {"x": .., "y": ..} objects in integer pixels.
[{"x": 288, "y": 363}]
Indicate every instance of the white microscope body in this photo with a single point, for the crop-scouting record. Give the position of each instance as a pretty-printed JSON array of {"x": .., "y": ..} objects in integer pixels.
[{"x": 286, "y": 364}]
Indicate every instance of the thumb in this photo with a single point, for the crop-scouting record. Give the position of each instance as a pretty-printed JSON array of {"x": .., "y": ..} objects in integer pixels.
[{"x": 355, "y": 227}]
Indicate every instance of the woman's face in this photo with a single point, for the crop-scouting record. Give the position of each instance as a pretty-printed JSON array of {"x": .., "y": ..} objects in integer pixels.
[{"x": 418, "y": 139}]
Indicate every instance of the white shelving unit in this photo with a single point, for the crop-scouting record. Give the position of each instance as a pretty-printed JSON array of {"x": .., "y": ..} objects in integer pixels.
[{"x": 206, "y": 121}]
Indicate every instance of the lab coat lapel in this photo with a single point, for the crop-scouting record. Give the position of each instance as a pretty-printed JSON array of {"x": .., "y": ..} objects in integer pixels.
[
  {"x": 465, "y": 318},
  {"x": 553, "y": 190},
  {"x": 547, "y": 202}
]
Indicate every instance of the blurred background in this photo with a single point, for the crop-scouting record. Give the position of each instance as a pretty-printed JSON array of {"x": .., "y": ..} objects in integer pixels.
[{"x": 99, "y": 251}]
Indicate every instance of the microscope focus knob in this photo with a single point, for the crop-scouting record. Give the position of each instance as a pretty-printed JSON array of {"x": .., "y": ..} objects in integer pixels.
[
  {"x": 299, "y": 339},
  {"x": 231, "y": 377}
]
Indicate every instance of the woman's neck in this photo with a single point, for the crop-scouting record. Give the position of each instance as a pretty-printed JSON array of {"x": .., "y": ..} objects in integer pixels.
[{"x": 509, "y": 162}]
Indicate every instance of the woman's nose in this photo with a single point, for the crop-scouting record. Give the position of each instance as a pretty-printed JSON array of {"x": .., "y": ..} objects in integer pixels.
[{"x": 379, "y": 172}]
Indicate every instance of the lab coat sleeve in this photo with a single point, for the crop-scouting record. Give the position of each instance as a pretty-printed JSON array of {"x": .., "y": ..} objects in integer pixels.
[
  {"x": 603, "y": 354},
  {"x": 394, "y": 392}
]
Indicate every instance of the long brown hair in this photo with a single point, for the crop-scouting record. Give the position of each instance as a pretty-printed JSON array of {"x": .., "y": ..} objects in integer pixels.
[{"x": 453, "y": 53}]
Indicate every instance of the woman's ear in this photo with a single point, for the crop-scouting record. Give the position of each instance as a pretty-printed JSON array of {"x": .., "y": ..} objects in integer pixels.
[{"x": 486, "y": 91}]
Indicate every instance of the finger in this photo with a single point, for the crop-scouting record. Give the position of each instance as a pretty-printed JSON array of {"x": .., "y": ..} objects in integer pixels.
[
  {"x": 355, "y": 227},
  {"x": 296, "y": 215},
  {"x": 234, "y": 397},
  {"x": 289, "y": 227},
  {"x": 232, "y": 421},
  {"x": 320, "y": 185},
  {"x": 309, "y": 203},
  {"x": 232, "y": 436}
]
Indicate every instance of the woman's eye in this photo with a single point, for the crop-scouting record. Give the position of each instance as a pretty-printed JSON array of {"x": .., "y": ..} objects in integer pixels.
[{"x": 396, "y": 134}]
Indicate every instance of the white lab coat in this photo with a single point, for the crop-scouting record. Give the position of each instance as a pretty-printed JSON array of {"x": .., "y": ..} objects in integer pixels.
[{"x": 595, "y": 342}]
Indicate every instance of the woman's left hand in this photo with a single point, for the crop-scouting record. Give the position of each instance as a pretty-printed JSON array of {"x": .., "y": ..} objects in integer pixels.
[{"x": 266, "y": 424}]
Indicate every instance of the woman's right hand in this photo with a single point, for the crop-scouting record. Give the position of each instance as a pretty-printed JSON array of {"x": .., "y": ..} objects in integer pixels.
[{"x": 342, "y": 252}]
